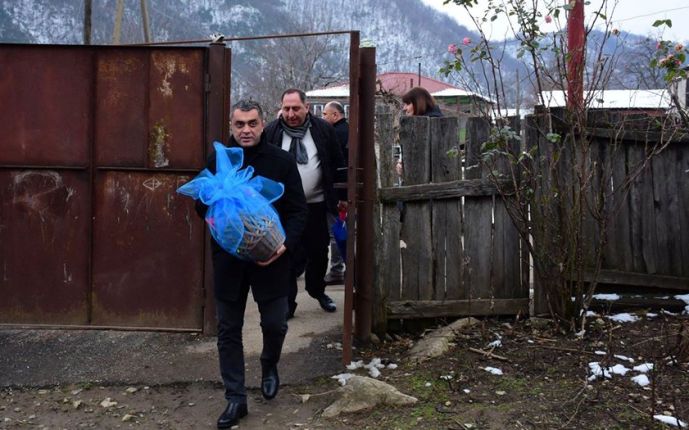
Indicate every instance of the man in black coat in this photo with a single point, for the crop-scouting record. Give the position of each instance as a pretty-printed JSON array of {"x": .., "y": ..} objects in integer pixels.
[
  {"x": 313, "y": 143},
  {"x": 334, "y": 113},
  {"x": 269, "y": 280}
]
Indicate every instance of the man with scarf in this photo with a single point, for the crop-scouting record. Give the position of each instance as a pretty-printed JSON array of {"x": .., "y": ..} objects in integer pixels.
[
  {"x": 314, "y": 144},
  {"x": 269, "y": 280}
]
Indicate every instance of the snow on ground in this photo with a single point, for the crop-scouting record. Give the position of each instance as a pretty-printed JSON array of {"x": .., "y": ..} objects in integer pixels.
[
  {"x": 609, "y": 297},
  {"x": 675, "y": 422},
  {"x": 641, "y": 380},
  {"x": 643, "y": 368},
  {"x": 495, "y": 344},
  {"x": 493, "y": 370},
  {"x": 623, "y": 317},
  {"x": 685, "y": 299}
]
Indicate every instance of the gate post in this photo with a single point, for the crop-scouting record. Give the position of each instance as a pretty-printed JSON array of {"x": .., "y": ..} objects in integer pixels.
[
  {"x": 217, "y": 127},
  {"x": 365, "y": 258}
]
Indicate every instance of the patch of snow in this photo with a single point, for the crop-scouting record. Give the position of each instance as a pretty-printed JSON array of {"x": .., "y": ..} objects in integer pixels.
[
  {"x": 342, "y": 378},
  {"x": 493, "y": 370},
  {"x": 466, "y": 391},
  {"x": 641, "y": 380},
  {"x": 608, "y": 297},
  {"x": 355, "y": 365},
  {"x": 597, "y": 371},
  {"x": 495, "y": 344},
  {"x": 664, "y": 312},
  {"x": 624, "y": 358},
  {"x": 643, "y": 368},
  {"x": 675, "y": 422},
  {"x": 446, "y": 377},
  {"x": 529, "y": 341},
  {"x": 591, "y": 314},
  {"x": 428, "y": 384},
  {"x": 619, "y": 369},
  {"x": 392, "y": 366},
  {"x": 600, "y": 352},
  {"x": 685, "y": 299},
  {"x": 623, "y": 317},
  {"x": 651, "y": 315},
  {"x": 374, "y": 372}
]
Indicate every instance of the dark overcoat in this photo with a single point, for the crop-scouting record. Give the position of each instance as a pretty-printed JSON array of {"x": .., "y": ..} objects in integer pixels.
[{"x": 271, "y": 281}]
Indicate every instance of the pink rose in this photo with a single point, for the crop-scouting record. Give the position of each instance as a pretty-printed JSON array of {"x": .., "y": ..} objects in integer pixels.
[
  {"x": 452, "y": 49},
  {"x": 548, "y": 19},
  {"x": 659, "y": 45},
  {"x": 466, "y": 41},
  {"x": 616, "y": 32},
  {"x": 679, "y": 47}
]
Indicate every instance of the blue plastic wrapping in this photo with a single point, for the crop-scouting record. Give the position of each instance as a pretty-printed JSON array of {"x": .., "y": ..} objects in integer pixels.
[
  {"x": 240, "y": 215},
  {"x": 340, "y": 234}
]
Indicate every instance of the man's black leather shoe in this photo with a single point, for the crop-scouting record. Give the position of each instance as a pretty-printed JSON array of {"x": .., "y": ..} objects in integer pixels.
[
  {"x": 327, "y": 303},
  {"x": 231, "y": 415},
  {"x": 270, "y": 383}
]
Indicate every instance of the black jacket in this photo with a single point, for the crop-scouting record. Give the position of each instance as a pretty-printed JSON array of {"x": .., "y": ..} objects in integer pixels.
[
  {"x": 329, "y": 154},
  {"x": 433, "y": 112},
  {"x": 342, "y": 133},
  {"x": 271, "y": 281}
]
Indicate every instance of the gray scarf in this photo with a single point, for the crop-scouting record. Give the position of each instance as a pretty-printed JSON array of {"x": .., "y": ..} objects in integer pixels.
[{"x": 297, "y": 147}]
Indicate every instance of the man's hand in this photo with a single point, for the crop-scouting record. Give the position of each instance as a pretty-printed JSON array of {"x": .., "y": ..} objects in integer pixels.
[{"x": 281, "y": 250}]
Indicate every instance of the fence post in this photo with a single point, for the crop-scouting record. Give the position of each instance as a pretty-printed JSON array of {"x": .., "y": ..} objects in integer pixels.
[{"x": 365, "y": 268}]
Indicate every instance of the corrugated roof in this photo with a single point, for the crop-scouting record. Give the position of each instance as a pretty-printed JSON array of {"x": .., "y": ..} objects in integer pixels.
[
  {"x": 615, "y": 99},
  {"x": 456, "y": 92},
  {"x": 339, "y": 91},
  {"x": 397, "y": 83}
]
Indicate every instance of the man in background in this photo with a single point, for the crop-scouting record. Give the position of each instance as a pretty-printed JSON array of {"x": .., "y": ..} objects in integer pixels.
[
  {"x": 334, "y": 113},
  {"x": 313, "y": 143}
]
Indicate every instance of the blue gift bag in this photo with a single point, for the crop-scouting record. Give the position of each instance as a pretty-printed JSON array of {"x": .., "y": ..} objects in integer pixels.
[{"x": 240, "y": 215}]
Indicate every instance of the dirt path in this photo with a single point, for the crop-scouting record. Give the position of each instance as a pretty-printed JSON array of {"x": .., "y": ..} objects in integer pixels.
[{"x": 44, "y": 372}]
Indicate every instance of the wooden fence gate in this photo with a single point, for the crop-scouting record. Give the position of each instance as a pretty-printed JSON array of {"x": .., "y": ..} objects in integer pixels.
[{"x": 445, "y": 244}]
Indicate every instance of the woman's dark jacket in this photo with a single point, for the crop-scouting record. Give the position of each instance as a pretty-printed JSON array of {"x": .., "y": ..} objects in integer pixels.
[
  {"x": 271, "y": 281},
  {"x": 329, "y": 154},
  {"x": 433, "y": 112}
]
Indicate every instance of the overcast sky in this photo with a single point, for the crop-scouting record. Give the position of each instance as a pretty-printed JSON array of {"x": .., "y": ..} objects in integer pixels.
[{"x": 634, "y": 16}]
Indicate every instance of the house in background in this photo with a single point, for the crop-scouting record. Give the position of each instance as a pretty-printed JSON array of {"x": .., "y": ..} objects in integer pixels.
[
  {"x": 650, "y": 102},
  {"x": 453, "y": 101}
]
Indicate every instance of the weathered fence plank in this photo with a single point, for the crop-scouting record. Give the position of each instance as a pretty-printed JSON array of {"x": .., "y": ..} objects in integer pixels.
[
  {"x": 417, "y": 249},
  {"x": 443, "y": 190},
  {"x": 388, "y": 240},
  {"x": 384, "y": 280},
  {"x": 683, "y": 198},
  {"x": 450, "y": 308},
  {"x": 448, "y": 258},
  {"x": 478, "y": 215}
]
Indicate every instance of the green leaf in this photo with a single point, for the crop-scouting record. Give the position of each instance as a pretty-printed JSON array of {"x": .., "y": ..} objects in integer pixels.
[{"x": 659, "y": 22}]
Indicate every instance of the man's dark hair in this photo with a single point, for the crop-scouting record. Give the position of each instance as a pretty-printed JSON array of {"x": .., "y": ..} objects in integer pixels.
[
  {"x": 337, "y": 106},
  {"x": 245, "y": 105},
  {"x": 302, "y": 95}
]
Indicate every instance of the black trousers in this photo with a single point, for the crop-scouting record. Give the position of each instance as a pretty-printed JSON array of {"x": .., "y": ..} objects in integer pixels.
[
  {"x": 311, "y": 258},
  {"x": 230, "y": 347}
]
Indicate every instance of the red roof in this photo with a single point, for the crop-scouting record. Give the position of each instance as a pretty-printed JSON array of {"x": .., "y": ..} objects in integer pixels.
[{"x": 399, "y": 83}]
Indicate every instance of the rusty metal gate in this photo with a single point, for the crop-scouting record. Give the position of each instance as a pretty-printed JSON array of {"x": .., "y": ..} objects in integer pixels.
[{"x": 94, "y": 142}]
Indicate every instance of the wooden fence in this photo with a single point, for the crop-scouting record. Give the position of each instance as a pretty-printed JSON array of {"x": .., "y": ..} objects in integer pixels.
[
  {"x": 648, "y": 237},
  {"x": 445, "y": 245}
]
